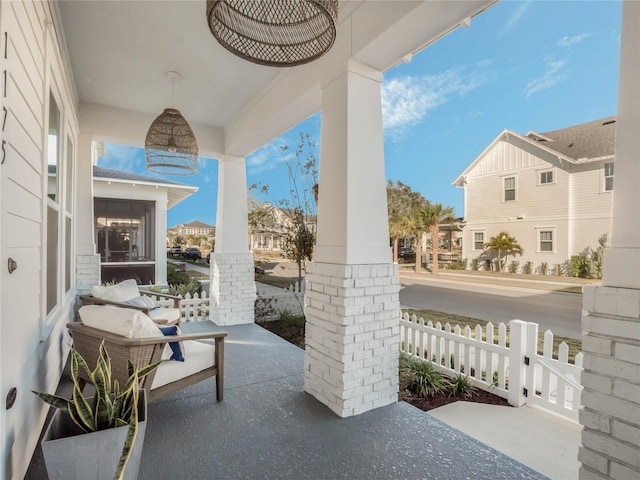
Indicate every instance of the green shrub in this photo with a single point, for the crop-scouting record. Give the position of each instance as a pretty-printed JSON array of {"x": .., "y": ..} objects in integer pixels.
[
  {"x": 543, "y": 268},
  {"x": 527, "y": 268},
  {"x": 290, "y": 319},
  {"x": 461, "y": 387},
  {"x": 579, "y": 266},
  {"x": 474, "y": 265},
  {"x": 192, "y": 286},
  {"x": 174, "y": 276},
  {"x": 513, "y": 266},
  {"x": 421, "y": 377}
]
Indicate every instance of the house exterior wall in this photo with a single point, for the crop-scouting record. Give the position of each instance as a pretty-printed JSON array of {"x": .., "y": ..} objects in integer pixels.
[
  {"x": 33, "y": 343},
  {"x": 574, "y": 206}
]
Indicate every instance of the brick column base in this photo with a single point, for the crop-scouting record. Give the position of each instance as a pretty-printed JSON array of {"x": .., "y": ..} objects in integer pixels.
[
  {"x": 233, "y": 288},
  {"x": 610, "y": 413},
  {"x": 352, "y": 336},
  {"x": 87, "y": 272}
]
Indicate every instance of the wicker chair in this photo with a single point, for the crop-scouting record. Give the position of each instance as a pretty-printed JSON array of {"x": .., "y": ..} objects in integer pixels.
[
  {"x": 170, "y": 376},
  {"x": 160, "y": 315}
]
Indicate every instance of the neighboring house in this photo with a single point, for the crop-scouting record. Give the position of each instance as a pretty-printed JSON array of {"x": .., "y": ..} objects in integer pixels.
[
  {"x": 268, "y": 226},
  {"x": 551, "y": 191},
  {"x": 130, "y": 214},
  {"x": 195, "y": 228}
]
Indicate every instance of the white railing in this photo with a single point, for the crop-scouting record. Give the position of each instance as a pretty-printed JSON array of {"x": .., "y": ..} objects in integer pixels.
[{"x": 517, "y": 372}]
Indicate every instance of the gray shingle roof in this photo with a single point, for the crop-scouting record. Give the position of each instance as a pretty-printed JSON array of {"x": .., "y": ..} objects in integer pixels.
[
  {"x": 101, "y": 172},
  {"x": 585, "y": 141}
]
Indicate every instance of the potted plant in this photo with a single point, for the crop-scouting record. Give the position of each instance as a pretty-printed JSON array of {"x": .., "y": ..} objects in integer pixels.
[{"x": 96, "y": 438}]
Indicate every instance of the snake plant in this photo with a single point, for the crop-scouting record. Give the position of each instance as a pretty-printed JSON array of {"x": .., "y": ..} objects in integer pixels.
[{"x": 110, "y": 407}]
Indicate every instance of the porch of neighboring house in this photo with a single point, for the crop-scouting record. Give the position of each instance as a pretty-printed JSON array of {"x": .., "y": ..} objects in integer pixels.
[{"x": 267, "y": 427}]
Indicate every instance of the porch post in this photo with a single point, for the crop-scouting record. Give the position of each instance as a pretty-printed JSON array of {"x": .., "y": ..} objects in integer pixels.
[
  {"x": 352, "y": 305},
  {"x": 610, "y": 411},
  {"x": 233, "y": 288},
  {"x": 161, "y": 242},
  {"x": 87, "y": 262}
]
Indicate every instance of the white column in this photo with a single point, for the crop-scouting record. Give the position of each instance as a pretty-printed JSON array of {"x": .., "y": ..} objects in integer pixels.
[
  {"x": 87, "y": 260},
  {"x": 610, "y": 413},
  {"x": 161, "y": 241},
  {"x": 351, "y": 299},
  {"x": 233, "y": 288}
]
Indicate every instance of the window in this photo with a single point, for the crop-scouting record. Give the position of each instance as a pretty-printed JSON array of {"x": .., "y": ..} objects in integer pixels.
[
  {"x": 608, "y": 177},
  {"x": 478, "y": 240},
  {"x": 509, "y": 189},
  {"x": 53, "y": 206},
  {"x": 546, "y": 240},
  {"x": 546, "y": 177},
  {"x": 125, "y": 230}
]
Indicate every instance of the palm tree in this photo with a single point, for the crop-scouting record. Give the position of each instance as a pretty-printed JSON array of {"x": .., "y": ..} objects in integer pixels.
[
  {"x": 432, "y": 215},
  {"x": 503, "y": 244}
]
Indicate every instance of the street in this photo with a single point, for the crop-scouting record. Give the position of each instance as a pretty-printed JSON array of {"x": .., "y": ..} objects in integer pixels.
[{"x": 559, "y": 312}]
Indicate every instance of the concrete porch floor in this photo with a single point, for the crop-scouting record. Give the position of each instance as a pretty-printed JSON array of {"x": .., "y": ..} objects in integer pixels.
[{"x": 268, "y": 428}]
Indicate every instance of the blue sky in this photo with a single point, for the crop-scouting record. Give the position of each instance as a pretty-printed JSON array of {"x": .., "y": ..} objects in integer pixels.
[{"x": 522, "y": 65}]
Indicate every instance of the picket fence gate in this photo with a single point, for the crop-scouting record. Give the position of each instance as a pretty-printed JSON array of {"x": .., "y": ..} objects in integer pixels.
[{"x": 516, "y": 372}]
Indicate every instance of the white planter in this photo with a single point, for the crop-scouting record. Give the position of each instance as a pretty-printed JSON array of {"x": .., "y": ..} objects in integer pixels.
[{"x": 72, "y": 454}]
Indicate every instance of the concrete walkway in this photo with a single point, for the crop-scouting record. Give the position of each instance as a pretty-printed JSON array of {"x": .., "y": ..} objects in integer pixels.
[{"x": 540, "y": 439}]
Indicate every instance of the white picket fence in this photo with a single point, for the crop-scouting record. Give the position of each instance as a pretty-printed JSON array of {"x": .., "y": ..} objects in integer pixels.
[
  {"x": 515, "y": 372},
  {"x": 192, "y": 307},
  {"x": 273, "y": 303}
]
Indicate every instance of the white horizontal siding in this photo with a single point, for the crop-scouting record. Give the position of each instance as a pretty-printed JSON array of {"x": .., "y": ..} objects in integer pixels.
[{"x": 588, "y": 198}]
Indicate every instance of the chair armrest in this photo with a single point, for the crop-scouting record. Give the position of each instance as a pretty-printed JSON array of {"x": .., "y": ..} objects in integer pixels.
[
  {"x": 91, "y": 300},
  {"x": 176, "y": 299},
  {"x": 119, "y": 339}
]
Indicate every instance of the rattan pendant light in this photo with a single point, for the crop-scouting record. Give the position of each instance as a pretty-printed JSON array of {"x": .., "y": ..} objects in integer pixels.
[
  {"x": 277, "y": 33},
  {"x": 170, "y": 145}
]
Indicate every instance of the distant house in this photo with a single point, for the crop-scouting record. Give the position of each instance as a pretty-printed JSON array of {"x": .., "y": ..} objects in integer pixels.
[
  {"x": 268, "y": 225},
  {"x": 130, "y": 213},
  {"x": 195, "y": 228},
  {"x": 551, "y": 191}
]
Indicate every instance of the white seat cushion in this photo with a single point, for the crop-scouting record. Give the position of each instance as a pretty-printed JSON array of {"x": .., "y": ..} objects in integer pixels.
[
  {"x": 168, "y": 314},
  {"x": 128, "y": 322},
  {"x": 197, "y": 357}
]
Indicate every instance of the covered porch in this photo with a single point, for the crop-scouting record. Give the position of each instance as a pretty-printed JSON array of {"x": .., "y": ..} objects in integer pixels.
[{"x": 267, "y": 427}]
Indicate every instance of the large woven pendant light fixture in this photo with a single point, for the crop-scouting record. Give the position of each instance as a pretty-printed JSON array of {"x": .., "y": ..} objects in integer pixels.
[
  {"x": 277, "y": 33},
  {"x": 170, "y": 145}
]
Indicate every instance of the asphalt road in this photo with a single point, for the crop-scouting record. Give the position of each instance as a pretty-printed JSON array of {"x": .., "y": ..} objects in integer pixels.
[{"x": 559, "y": 312}]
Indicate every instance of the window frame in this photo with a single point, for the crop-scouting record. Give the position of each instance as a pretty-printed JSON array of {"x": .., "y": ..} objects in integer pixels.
[
  {"x": 606, "y": 177},
  {"x": 540, "y": 241},
  {"x": 541, "y": 173},
  {"x": 504, "y": 188},
  {"x": 474, "y": 241}
]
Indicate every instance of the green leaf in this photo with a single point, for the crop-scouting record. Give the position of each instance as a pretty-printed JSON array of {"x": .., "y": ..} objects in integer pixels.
[
  {"x": 131, "y": 438},
  {"x": 73, "y": 413},
  {"x": 83, "y": 410},
  {"x": 54, "y": 400}
]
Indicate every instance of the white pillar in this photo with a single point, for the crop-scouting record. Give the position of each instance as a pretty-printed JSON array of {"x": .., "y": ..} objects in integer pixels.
[
  {"x": 352, "y": 307},
  {"x": 161, "y": 241},
  {"x": 87, "y": 260},
  {"x": 610, "y": 413},
  {"x": 233, "y": 288}
]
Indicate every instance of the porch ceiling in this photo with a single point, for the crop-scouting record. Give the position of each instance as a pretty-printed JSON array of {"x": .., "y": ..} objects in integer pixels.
[{"x": 120, "y": 51}]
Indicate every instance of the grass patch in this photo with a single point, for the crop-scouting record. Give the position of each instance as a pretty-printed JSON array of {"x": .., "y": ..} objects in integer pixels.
[
  {"x": 575, "y": 346},
  {"x": 275, "y": 281}
]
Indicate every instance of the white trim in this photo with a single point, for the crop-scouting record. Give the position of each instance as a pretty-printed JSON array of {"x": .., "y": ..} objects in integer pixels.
[{"x": 483, "y": 231}]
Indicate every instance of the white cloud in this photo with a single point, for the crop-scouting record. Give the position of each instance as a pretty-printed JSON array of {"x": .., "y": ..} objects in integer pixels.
[
  {"x": 120, "y": 157},
  {"x": 406, "y": 101},
  {"x": 554, "y": 74},
  {"x": 567, "y": 41},
  {"x": 267, "y": 158},
  {"x": 515, "y": 18}
]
